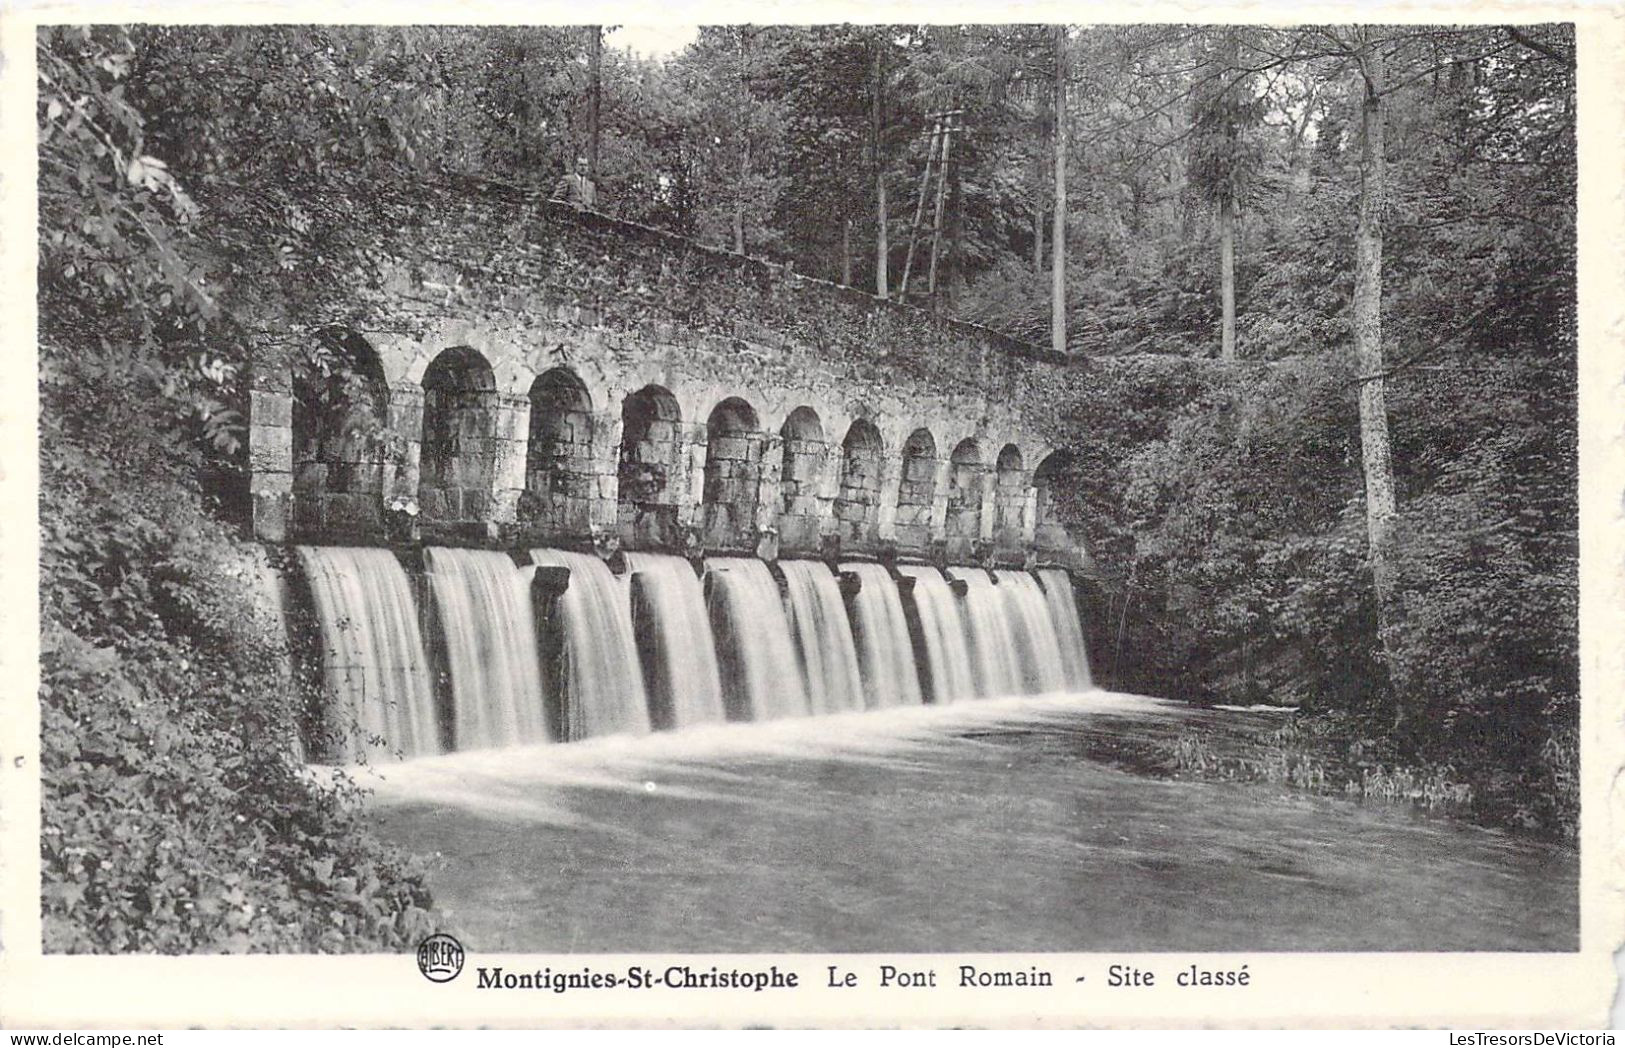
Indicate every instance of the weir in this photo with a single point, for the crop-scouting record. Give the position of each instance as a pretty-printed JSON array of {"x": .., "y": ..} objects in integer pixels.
[
  {"x": 885, "y": 654},
  {"x": 1063, "y": 611},
  {"x": 675, "y": 649},
  {"x": 992, "y": 645},
  {"x": 374, "y": 667},
  {"x": 1038, "y": 648},
  {"x": 603, "y": 690},
  {"x": 823, "y": 635},
  {"x": 658, "y": 649},
  {"x": 760, "y": 676},
  {"x": 942, "y": 629},
  {"x": 489, "y": 634}
]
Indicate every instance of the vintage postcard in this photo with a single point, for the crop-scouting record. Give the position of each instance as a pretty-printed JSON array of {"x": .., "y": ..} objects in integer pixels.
[{"x": 825, "y": 516}]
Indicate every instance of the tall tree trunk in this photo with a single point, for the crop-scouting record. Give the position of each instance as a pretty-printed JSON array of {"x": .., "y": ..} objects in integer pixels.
[
  {"x": 955, "y": 218},
  {"x": 1374, "y": 446},
  {"x": 1227, "y": 276},
  {"x": 739, "y": 208},
  {"x": 744, "y": 137},
  {"x": 1038, "y": 238},
  {"x": 846, "y": 252},
  {"x": 1045, "y": 128},
  {"x": 1058, "y": 247},
  {"x": 882, "y": 249},
  {"x": 1227, "y": 207},
  {"x": 595, "y": 47}
]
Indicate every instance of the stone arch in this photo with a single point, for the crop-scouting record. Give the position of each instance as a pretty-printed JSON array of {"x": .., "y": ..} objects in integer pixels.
[
  {"x": 340, "y": 443},
  {"x": 803, "y": 424},
  {"x": 733, "y": 473},
  {"x": 1056, "y": 502},
  {"x": 857, "y": 501},
  {"x": 917, "y": 489},
  {"x": 559, "y": 474},
  {"x": 650, "y": 468},
  {"x": 1009, "y": 496},
  {"x": 965, "y": 472},
  {"x": 457, "y": 464},
  {"x": 800, "y": 478}
]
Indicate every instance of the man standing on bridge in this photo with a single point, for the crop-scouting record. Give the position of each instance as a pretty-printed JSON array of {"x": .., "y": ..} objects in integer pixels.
[{"x": 576, "y": 188}]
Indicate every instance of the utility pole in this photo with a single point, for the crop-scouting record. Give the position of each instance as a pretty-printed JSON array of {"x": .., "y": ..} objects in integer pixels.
[
  {"x": 936, "y": 221},
  {"x": 919, "y": 205}
]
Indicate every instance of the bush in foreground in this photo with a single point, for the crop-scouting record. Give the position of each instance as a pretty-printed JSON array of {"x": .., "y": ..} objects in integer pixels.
[{"x": 177, "y": 815}]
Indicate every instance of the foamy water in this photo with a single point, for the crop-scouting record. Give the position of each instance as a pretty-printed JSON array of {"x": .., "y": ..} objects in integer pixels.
[{"x": 622, "y": 762}]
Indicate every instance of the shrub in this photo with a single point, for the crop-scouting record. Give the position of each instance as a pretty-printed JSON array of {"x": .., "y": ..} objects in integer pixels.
[{"x": 176, "y": 814}]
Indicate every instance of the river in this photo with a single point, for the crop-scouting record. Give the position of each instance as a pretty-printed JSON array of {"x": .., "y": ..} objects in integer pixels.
[{"x": 999, "y": 825}]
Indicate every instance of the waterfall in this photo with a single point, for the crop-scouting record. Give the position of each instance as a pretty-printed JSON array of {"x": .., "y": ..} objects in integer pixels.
[
  {"x": 658, "y": 649},
  {"x": 490, "y": 636},
  {"x": 602, "y": 684},
  {"x": 373, "y": 663},
  {"x": 1063, "y": 610},
  {"x": 1038, "y": 650},
  {"x": 760, "y": 676},
  {"x": 823, "y": 635},
  {"x": 885, "y": 653},
  {"x": 674, "y": 641},
  {"x": 992, "y": 645},
  {"x": 943, "y": 628}
]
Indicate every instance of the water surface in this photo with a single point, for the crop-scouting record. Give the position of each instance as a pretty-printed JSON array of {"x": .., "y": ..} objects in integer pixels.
[{"x": 998, "y": 825}]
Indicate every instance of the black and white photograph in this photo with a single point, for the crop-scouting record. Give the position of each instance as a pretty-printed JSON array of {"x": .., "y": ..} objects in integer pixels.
[{"x": 1006, "y": 489}]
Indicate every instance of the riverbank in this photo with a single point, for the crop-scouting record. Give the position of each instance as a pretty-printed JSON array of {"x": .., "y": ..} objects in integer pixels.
[{"x": 1332, "y": 754}]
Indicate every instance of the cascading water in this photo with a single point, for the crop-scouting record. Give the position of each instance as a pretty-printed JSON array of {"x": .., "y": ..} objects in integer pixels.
[
  {"x": 373, "y": 660},
  {"x": 674, "y": 641},
  {"x": 641, "y": 652},
  {"x": 884, "y": 650},
  {"x": 992, "y": 646},
  {"x": 1038, "y": 650},
  {"x": 490, "y": 635},
  {"x": 761, "y": 678},
  {"x": 1063, "y": 610},
  {"x": 602, "y": 684},
  {"x": 943, "y": 629},
  {"x": 823, "y": 636}
]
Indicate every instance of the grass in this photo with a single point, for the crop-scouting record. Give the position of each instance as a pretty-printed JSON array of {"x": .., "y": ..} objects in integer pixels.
[{"x": 1334, "y": 754}]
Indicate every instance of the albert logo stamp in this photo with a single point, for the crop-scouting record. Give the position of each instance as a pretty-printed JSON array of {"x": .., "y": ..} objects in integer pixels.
[{"x": 440, "y": 957}]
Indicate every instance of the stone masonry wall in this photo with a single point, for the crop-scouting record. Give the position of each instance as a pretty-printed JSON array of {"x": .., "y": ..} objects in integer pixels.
[{"x": 532, "y": 287}]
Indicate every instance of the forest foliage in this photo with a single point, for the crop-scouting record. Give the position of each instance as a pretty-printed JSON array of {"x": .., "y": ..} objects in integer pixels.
[{"x": 182, "y": 167}]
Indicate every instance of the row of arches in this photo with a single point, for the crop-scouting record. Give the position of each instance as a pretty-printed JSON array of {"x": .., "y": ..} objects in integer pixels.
[{"x": 342, "y": 446}]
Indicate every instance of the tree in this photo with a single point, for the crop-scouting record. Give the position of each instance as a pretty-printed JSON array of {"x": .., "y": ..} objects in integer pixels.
[
  {"x": 166, "y": 709},
  {"x": 1058, "y": 265},
  {"x": 1223, "y": 160},
  {"x": 1369, "y": 85},
  {"x": 595, "y": 47},
  {"x": 735, "y": 123},
  {"x": 882, "y": 247}
]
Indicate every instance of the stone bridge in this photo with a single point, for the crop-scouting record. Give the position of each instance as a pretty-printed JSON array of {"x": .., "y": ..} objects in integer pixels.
[{"x": 527, "y": 375}]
